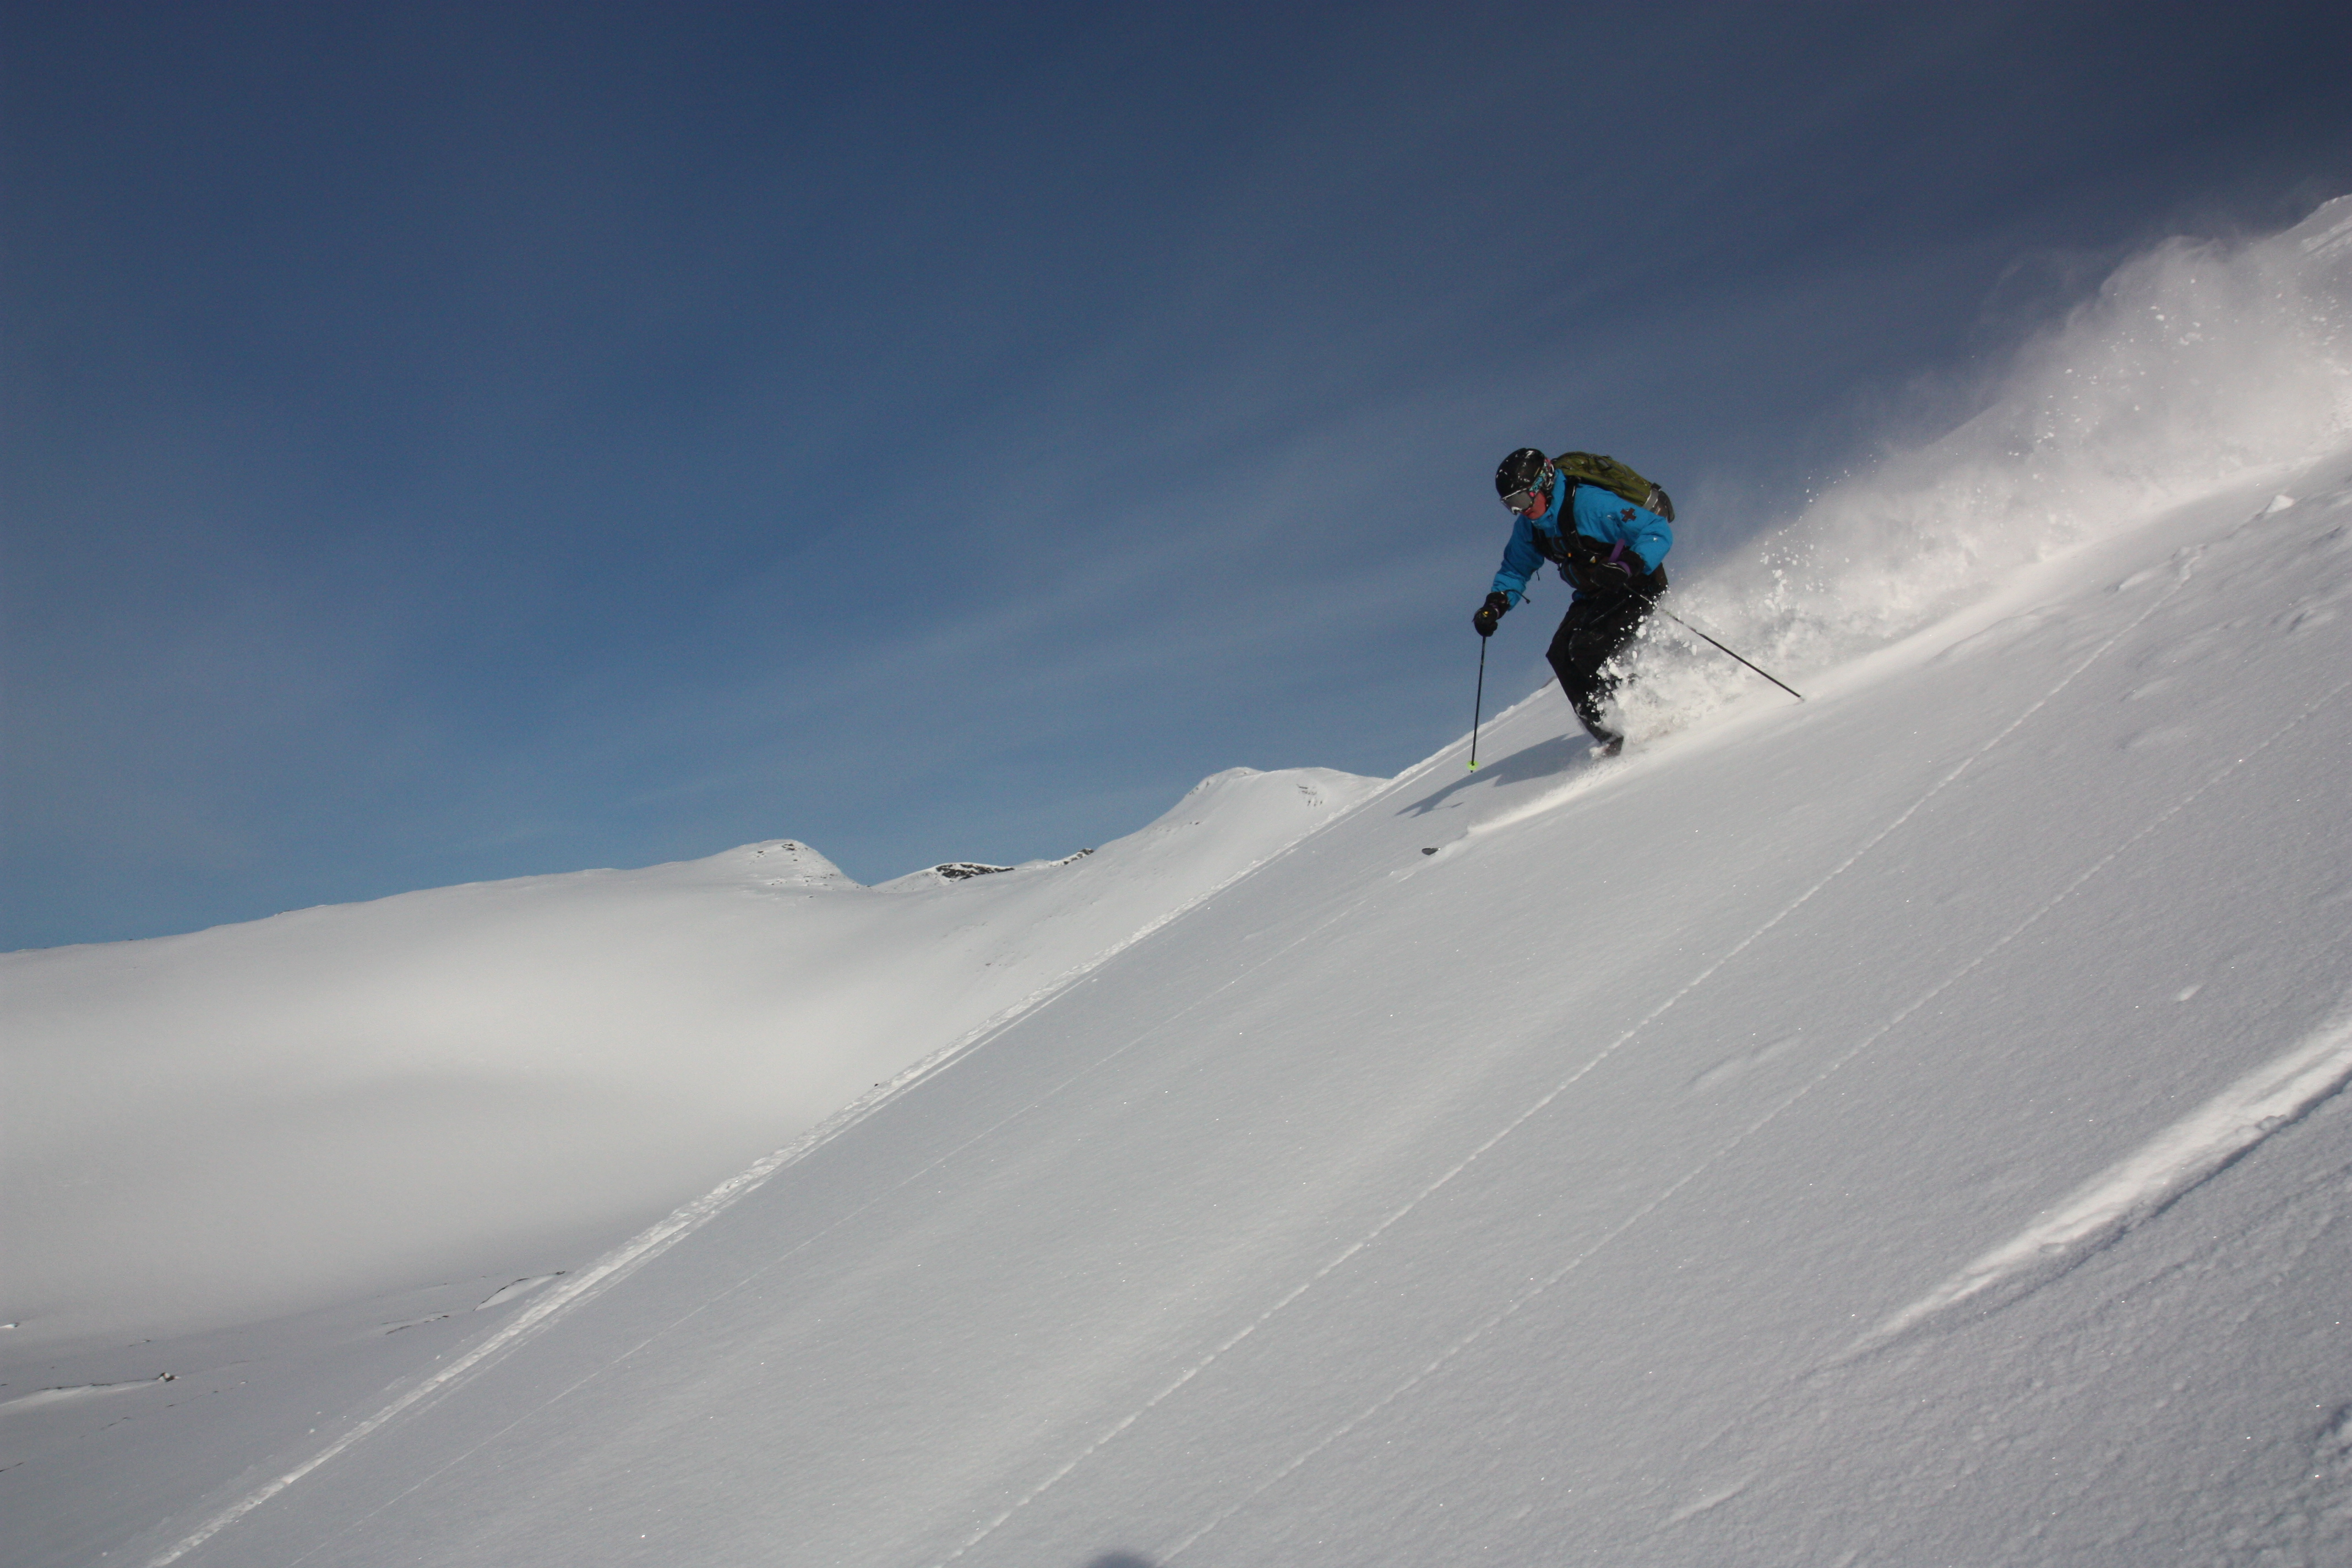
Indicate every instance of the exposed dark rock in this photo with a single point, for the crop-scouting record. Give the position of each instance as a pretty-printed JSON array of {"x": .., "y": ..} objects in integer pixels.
[{"x": 957, "y": 870}]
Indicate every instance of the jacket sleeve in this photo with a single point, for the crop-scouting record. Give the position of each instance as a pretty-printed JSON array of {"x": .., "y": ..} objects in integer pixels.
[
  {"x": 1614, "y": 520},
  {"x": 1521, "y": 560}
]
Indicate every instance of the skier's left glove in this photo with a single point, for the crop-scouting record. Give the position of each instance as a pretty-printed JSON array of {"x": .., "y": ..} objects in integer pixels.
[{"x": 1609, "y": 575}]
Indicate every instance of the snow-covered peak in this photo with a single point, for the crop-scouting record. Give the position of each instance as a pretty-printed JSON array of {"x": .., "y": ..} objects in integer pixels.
[
  {"x": 1248, "y": 792},
  {"x": 778, "y": 863}
]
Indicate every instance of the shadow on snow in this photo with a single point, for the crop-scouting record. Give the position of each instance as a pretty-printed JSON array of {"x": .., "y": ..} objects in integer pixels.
[{"x": 1538, "y": 761}]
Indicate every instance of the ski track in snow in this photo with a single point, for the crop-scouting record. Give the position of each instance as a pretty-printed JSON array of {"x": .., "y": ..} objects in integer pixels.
[
  {"x": 2151, "y": 1179},
  {"x": 628, "y": 1259},
  {"x": 2312, "y": 1073},
  {"x": 2179, "y": 580},
  {"x": 79, "y": 1391}
]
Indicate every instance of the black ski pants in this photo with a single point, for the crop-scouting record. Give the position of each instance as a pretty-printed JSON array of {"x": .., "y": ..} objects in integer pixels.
[{"x": 1594, "y": 631}]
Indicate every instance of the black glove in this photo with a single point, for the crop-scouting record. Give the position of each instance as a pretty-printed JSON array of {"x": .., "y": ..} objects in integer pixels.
[
  {"x": 1497, "y": 605},
  {"x": 1597, "y": 574}
]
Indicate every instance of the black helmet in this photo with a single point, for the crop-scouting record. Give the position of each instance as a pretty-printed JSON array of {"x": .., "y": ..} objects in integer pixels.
[{"x": 1521, "y": 474}]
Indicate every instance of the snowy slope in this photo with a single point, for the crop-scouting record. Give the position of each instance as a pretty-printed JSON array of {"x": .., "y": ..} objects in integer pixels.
[
  {"x": 1801, "y": 1140},
  {"x": 1904, "y": 1127},
  {"x": 273, "y": 1117}
]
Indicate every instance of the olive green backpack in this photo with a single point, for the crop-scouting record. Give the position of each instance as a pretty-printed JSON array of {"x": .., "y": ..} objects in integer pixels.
[{"x": 1590, "y": 469}]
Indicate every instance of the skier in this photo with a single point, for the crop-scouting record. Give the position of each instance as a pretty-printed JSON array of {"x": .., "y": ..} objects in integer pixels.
[{"x": 1612, "y": 550}]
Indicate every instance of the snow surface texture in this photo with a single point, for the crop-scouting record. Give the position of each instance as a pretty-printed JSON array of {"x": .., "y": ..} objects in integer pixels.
[
  {"x": 1904, "y": 1127},
  {"x": 273, "y": 1117}
]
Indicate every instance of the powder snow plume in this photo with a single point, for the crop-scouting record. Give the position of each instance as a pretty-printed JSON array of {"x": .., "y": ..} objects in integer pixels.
[{"x": 2196, "y": 365}]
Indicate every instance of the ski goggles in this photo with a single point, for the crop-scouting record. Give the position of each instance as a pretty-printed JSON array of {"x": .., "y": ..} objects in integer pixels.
[{"x": 1527, "y": 500}]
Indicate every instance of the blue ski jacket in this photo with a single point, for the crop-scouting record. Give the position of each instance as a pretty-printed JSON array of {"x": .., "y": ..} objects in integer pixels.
[{"x": 1610, "y": 521}]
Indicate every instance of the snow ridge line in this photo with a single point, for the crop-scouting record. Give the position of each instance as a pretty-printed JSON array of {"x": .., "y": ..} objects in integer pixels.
[
  {"x": 2153, "y": 1177},
  {"x": 2314, "y": 1072},
  {"x": 2179, "y": 581},
  {"x": 650, "y": 1242}
]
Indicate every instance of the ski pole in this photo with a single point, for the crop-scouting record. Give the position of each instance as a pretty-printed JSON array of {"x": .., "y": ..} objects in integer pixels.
[
  {"x": 1718, "y": 646},
  {"x": 1478, "y": 707}
]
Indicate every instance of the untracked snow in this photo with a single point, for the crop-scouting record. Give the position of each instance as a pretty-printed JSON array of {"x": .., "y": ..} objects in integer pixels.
[
  {"x": 1908, "y": 1127},
  {"x": 277, "y": 1116}
]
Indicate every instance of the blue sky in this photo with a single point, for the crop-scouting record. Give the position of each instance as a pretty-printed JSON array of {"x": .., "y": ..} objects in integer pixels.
[{"x": 449, "y": 443}]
